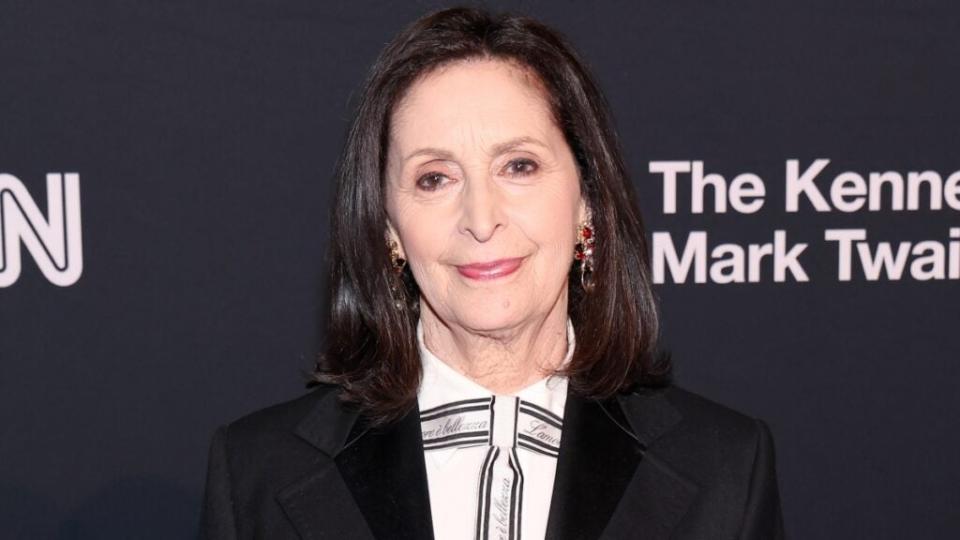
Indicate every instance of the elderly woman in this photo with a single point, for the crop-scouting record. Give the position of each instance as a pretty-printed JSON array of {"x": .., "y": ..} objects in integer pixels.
[{"x": 490, "y": 368}]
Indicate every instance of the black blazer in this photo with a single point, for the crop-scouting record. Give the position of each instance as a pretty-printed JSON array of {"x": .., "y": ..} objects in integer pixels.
[{"x": 651, "y": 465}]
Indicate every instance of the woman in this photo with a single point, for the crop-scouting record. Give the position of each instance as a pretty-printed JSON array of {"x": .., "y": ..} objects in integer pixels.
[{"x": 490, "y": 366}]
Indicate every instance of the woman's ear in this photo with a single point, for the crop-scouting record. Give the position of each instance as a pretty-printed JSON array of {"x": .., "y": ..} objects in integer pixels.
[{"x": 583, "y": 212}]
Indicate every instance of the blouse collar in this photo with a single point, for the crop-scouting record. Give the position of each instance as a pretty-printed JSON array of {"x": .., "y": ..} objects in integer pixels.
[{"x": 442, "y": 383}]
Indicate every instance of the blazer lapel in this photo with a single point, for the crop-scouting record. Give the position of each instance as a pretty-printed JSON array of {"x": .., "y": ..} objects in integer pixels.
[
  {"x": 373, "y": 486},
  {"x": 387, "y": 474},
  {"x": 607, "y": 483}
]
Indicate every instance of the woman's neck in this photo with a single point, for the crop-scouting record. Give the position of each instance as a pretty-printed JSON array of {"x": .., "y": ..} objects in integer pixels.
[{"x": 504, "y": 360}]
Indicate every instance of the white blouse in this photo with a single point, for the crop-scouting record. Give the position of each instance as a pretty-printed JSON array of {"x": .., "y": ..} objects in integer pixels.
[{"x": 504, "y": 431}]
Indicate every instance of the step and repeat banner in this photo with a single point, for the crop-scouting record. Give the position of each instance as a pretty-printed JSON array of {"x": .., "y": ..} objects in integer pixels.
[{"x": 165, "y": 180}]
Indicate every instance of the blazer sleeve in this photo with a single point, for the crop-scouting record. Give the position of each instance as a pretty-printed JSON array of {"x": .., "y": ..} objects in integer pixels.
[
  {"x": 218, "y": 519},
  {"x": 763, "y": 519}
]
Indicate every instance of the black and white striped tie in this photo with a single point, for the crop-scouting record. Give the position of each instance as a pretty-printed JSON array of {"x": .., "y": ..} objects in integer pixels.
[{"x": 505, "y": 423}]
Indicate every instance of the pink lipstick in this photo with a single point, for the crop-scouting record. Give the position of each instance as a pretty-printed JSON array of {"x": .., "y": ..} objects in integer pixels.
[{"x": 490, "y": 270}]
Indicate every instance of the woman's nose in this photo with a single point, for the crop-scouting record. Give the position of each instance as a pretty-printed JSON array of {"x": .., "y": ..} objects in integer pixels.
[{"x": 482, "y": 212}]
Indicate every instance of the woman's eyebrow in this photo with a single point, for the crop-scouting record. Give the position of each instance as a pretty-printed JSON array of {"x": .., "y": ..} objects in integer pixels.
[
  {"x": 512, "y": 144},
  {"x": 496, "y": 150}
]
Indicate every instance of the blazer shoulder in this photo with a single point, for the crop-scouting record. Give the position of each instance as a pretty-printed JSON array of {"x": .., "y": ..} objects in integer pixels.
[
  {"x": 700, "y": 412},
  {"x": 697, "y": 435},
  {"x": 279, "y": 418},
  {"x": 731, "y": 456},
  {"x": 682, "y": 423},
  {"x": 256, "y": 457}
]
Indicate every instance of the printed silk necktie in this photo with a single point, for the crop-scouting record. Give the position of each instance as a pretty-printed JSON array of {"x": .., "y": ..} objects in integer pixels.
[{"x": 505, "y": 423}]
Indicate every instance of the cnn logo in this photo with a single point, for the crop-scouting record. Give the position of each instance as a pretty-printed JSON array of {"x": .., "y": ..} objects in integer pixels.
[{"x": 54, "y": 241}]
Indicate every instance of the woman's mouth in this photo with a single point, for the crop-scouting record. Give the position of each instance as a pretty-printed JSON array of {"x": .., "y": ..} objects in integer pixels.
[{"x": 490, "y": 270}]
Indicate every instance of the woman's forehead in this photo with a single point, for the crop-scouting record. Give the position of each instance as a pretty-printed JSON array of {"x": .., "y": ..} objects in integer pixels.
[
  {"x": 465, "y": 73},
  {"x": 469, "y": 101}
]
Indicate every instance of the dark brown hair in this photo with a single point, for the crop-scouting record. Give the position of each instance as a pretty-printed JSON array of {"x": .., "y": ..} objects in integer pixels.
[{"x": 371, "y": 349}]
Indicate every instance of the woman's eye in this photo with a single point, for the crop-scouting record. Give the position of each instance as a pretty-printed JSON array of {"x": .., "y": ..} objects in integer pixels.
[
  {"x": 433, "y": 181},
  {"x": 522, "y": 167},
  {"x": 430, "y": 181}
]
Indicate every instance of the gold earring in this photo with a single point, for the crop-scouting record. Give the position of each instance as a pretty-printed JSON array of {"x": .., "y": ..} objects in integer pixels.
[
  {"x": 396, "y": 279},
  {"x": 396, "y": 261},
  {"x": 583, "y": 252}
]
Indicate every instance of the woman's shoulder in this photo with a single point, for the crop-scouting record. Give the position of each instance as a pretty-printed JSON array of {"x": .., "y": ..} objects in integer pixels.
[
  {"x": 279, "y": 420},
  {"x": 681, "y": 422},
  {"x": 699, "y": 410},
  {"x": 696, "y": 414},
  {"x": 696, "y": 433},
  {"x": 719, "y": 460}
]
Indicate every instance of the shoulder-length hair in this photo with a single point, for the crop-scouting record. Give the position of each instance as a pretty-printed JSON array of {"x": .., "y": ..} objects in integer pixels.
[{"x": 371, "y": 350}]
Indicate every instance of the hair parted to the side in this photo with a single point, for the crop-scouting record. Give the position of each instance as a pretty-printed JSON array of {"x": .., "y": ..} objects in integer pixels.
[{"x": 371, "y": 349}]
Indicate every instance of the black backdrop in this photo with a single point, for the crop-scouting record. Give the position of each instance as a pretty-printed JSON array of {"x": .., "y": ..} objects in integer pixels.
[{"x": 203, "y": 136}]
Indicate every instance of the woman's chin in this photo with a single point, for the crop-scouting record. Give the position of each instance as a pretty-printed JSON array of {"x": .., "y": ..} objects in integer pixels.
[{"x": 490, "y": 316}]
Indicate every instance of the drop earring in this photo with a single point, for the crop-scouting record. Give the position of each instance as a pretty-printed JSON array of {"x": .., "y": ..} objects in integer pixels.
[
  {"x": 397, "y": 264},
  {"x": 583, "y": 252}
]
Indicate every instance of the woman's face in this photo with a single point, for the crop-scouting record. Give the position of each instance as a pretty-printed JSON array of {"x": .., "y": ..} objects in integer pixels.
[{"x": 483, "y": 196}]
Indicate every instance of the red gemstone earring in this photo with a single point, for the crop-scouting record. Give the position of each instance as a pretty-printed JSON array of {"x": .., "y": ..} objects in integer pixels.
[{"x": 583, "y": 252}]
